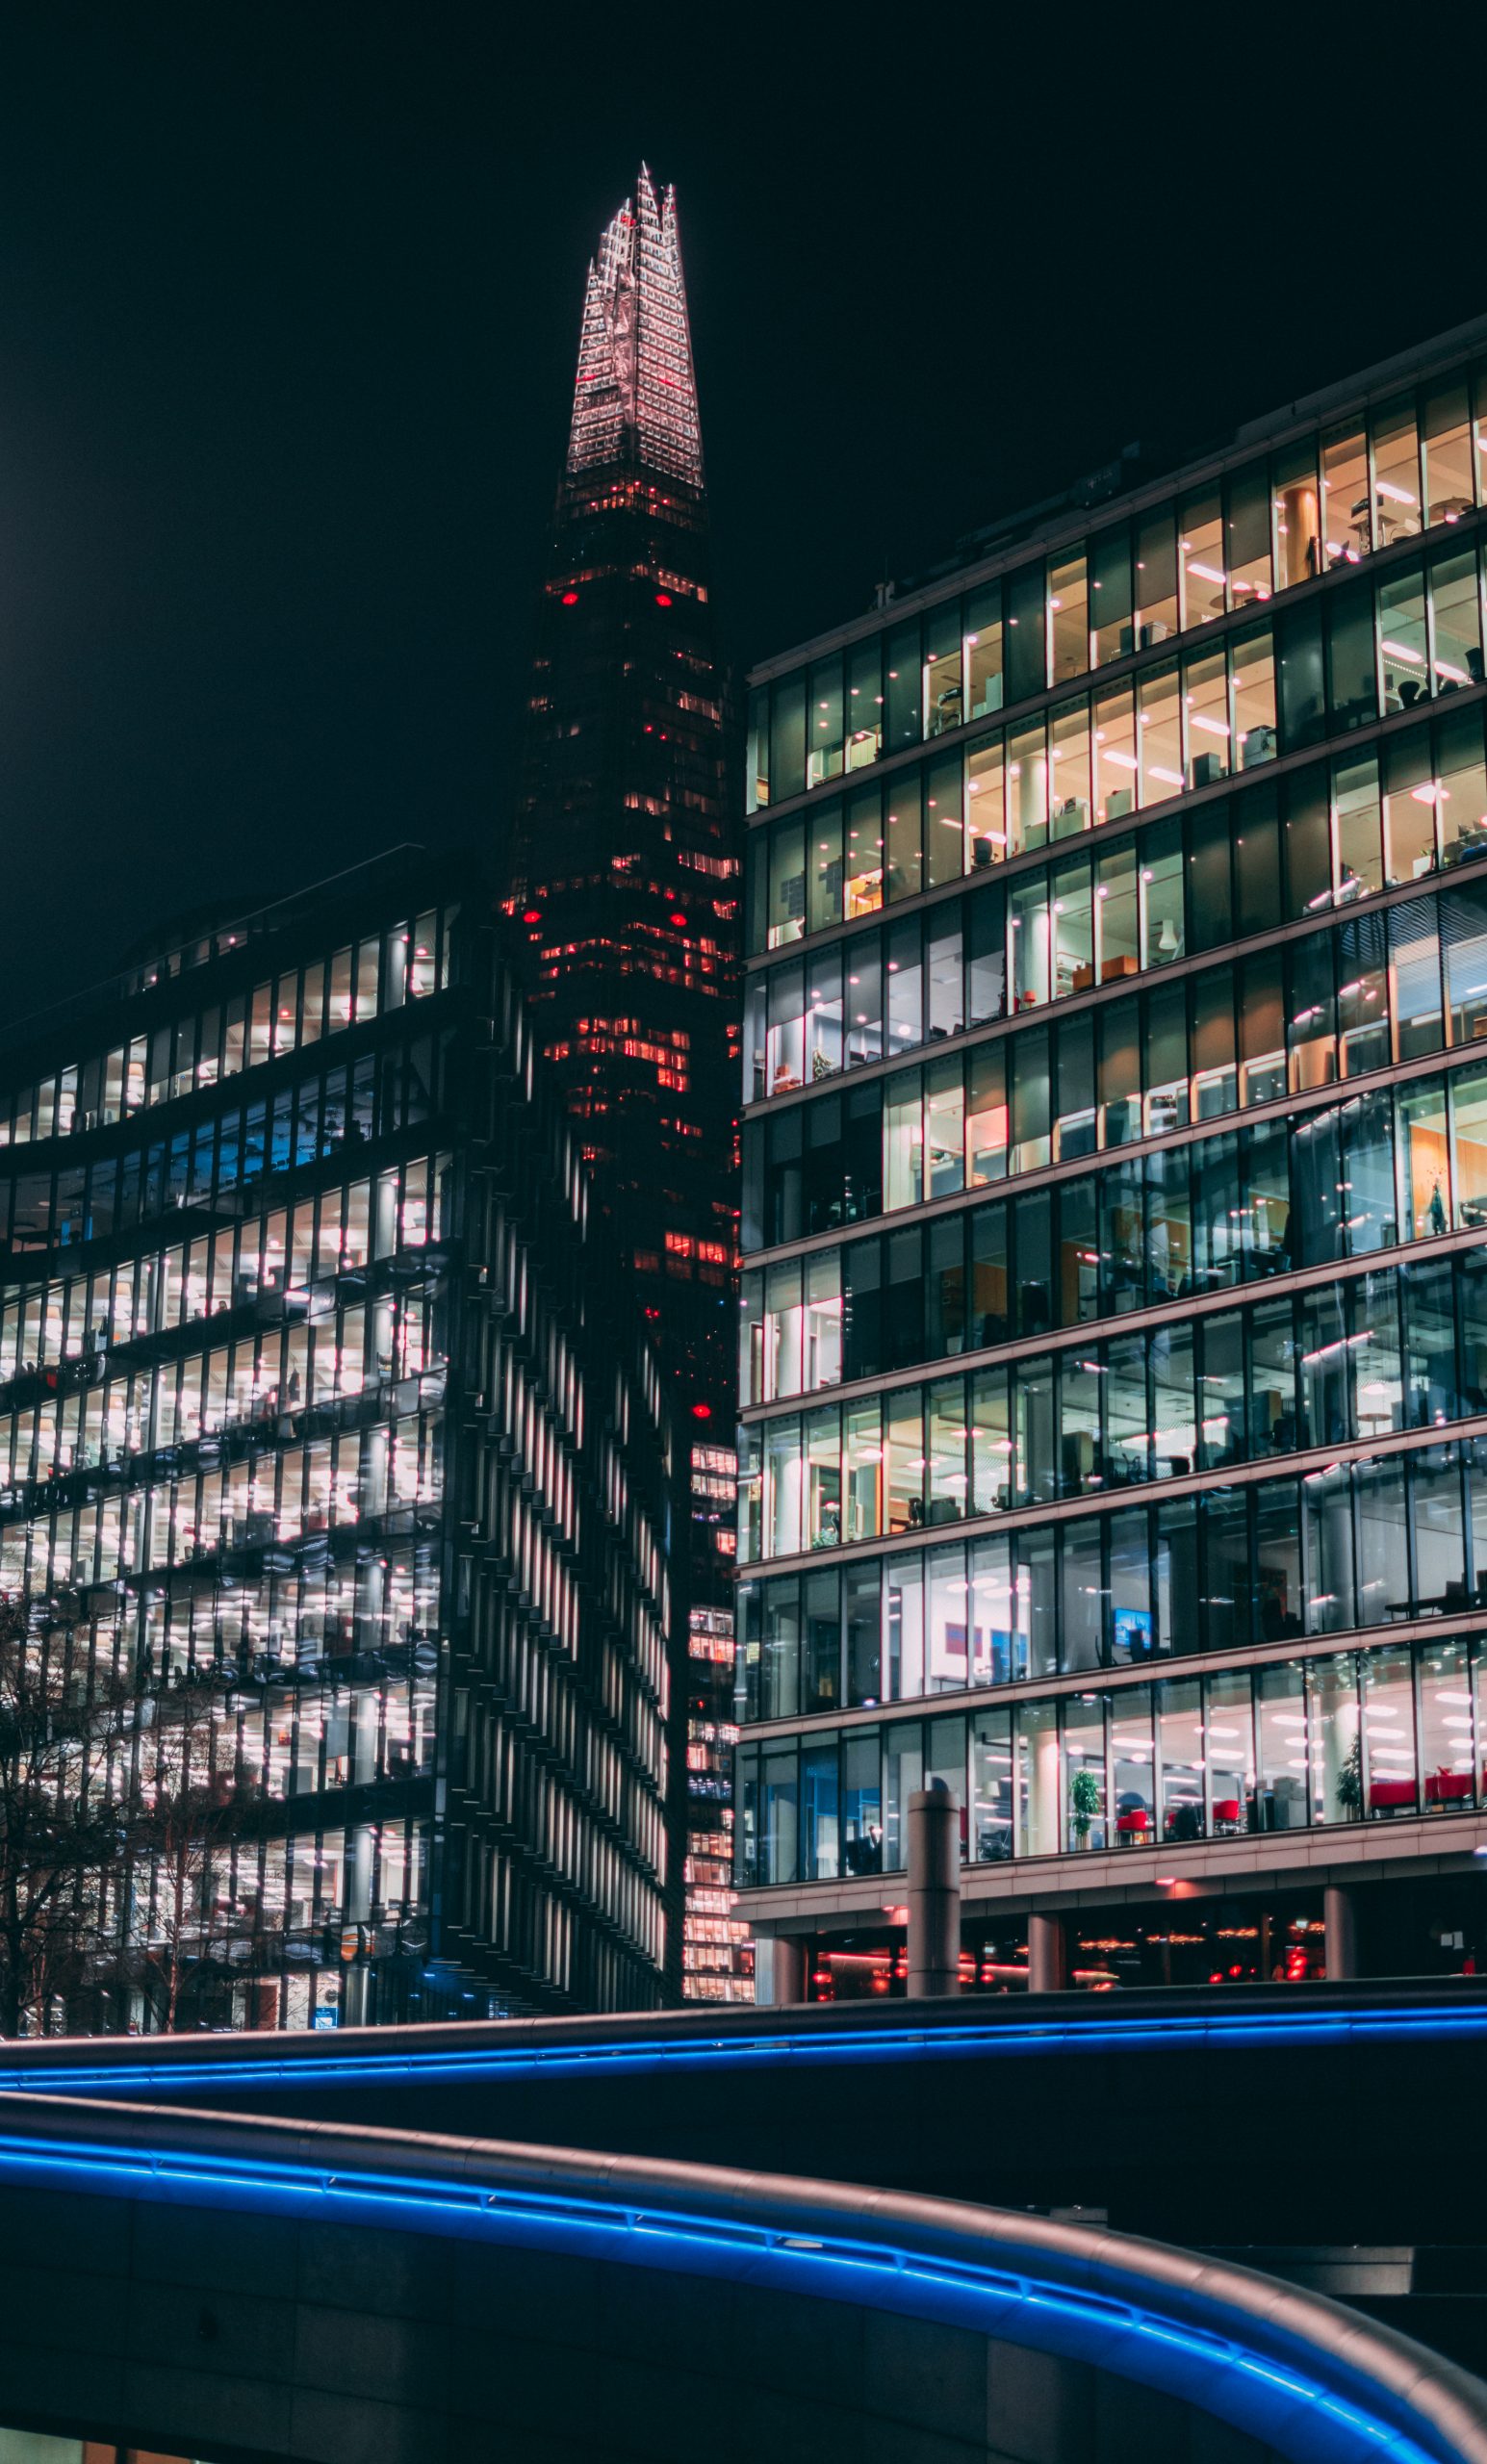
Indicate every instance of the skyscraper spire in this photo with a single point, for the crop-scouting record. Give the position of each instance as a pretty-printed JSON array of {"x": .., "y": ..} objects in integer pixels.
[
  {"x": 636, "y": 398},
  {"x": 622, "y": 883}
]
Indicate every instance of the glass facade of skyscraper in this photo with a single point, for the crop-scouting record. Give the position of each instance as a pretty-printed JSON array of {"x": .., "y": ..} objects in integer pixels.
[
  {"x": 1114, "y": 1332},
  {"x": 334, "y": 1484}
]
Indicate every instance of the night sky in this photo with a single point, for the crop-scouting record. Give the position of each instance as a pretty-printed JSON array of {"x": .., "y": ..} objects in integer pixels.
[{"x": 289, "y": 302}]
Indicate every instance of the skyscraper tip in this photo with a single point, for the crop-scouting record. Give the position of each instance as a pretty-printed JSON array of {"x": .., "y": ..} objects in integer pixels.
[{"x": 635, "y": 400}]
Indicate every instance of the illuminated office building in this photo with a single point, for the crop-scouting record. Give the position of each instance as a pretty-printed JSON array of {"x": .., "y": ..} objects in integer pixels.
[
  {"x": 1114, "y": 1296},
  {"x": 622, "y": 880},
  {"x": 324, "y": 1430}
]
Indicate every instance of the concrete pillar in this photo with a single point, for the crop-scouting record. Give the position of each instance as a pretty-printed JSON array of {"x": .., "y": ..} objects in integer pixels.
[
  {"x": 778, "y": 1969},
  {"x": 1339, "y": 1910},
  {"x": 933, "y": 1890},
  {"x": 1047, "y": 1954}
]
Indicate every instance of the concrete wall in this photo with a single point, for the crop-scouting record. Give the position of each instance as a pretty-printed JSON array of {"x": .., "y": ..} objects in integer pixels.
[{"x": 224, "y": 2334}]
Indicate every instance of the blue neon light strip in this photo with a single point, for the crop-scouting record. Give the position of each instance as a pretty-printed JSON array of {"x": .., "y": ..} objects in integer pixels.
[
  {"x": 1423, "y": 2025},
  {"x": 826, "y": 2265}
]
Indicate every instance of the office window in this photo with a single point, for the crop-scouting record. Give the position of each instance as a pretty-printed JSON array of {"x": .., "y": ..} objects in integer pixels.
[
  {"x": 943, "y": 697},
  {"x": 1247, "y": 535},
  {"x": 862, "y": 1806},
  {"x": 824, "y": 726},
  {"x": 1460, "y": 786},
  {"x": 1445, "y": 1726},
  {"x": 1295, "y": 508},
  {"x": 1178, "y": 1704},
  {"x": 1204, "y": 582},
  {"x": 1396, "y": 506},
  {"x": 1068, "y": 616},
  {"x": 1117, "y": 767},
  {"x": 1281, "y": 1722},
  {"x": 1112, "y": 632},
  {"x": 864, "y": 702},
  {"x": 1117, "y": 1031},
  {"x": 823, "y": 1479},
  {"x": 1299, "y": 677},
  {"x": 863, "y": 858},
  {"x": 1038, "y": 1830},
  {"x": 990, "y": 1786},
  {"x": 945, "y": 828},
  {"x": 756, "y": 751},
  {"x": 1032, "y": 1105},
  {"x": 944, "y": 971},
  {"x": 985, "y": 806},
  {"x": 1071, "y": 927},
  {"x": 1252, "y": 666},
  {"x": 786, "y": 920},
  {"x": 903, "y": 1652},
  {"x": 905, "y": 835},
  {"x": 903, "y": 685},
  {"x": 1336, "y": 1733},
  {"x": 984, "y": 650},
  {"x": 945, "y": 1127},
  {"x": 1075, "y": 1116},
  {"x": 1352, "y": 679},
  {"x": 946, "y": 1660},
  {"x": 1156, "y": 578},
  {"x": 1206, "y": 717},
  {"x": 905, "y": 985},
  {"x": 1410, "y": 798},
  {"x": 1455, "y": 611},
  {"x": 1028, "y": 941},
  {"x": 1358, "y": 826},
  {"x": 1070, "y": 776},
  {"x": 1449, "y": 491},
  {"x": 1344, "y": 496},
  {"x": 1027, "y": 664},
  {"x": 1159, "y": 733},
  {"x": 1404, "y": 646},
  {"x": 1027, "y": 787},
  {"x": 824, "y": 868},
  {"x": 1423, "y": 1160},
  {"x": 1468, "y": 1124},
  {"x": 1133, "y": 1767},
  {"x": 1436, "y": 1522},
  {"x": 824, "y": 1032},
  {"x": 903, "y": 1141},
  {"x": 986, "y": 1116},
  {"x": 1280, "y": 1608},
  {"x": 1085, "y": 1771},
  {"x": 788, "y": 738}
]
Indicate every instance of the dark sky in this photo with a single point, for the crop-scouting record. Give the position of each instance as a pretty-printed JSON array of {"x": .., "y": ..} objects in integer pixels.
[{"x": 288, "y": 301}]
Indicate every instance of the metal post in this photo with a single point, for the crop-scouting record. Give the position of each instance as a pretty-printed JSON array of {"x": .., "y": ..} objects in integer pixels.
[
  {"x": 1339, "y": 1911},
  {"x": 933, "y": 1890},
  {"x": 1047, "y": 1955},
  {"x": 778, "y": 1969}
]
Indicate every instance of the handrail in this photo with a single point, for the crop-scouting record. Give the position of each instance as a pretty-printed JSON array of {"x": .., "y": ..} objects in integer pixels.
[
  {"x": 1309, "y": 2375},
  {"x": 1160, "y": 2020}
]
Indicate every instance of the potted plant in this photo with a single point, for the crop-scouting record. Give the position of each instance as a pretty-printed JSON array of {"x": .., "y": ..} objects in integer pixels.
[{"x": 1084, "y": 1803}]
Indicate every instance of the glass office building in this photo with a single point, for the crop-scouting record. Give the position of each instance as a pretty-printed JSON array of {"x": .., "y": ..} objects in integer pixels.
[
  {"x": 1113, "y": 1331},
  {"x": 330, "y": 1451}
]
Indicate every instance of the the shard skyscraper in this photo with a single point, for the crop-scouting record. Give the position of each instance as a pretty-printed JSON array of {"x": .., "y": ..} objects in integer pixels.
[{"x": 623, "y": 885}]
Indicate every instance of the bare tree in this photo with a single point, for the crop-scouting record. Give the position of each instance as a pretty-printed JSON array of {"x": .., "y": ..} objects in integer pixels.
[
  {"x": 188, "y": 1804},
  {"x": 61, "y": 1726}
]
